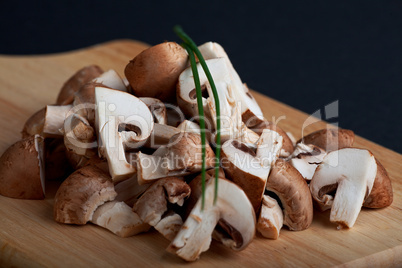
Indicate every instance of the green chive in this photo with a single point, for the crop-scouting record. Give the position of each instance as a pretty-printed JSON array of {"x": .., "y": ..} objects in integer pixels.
[
  {"x": 179, "y": 31},
  {"x": 201, "y": 114}
]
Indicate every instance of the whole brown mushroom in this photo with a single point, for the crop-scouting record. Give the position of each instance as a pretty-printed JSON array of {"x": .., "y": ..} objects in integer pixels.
[
  {"x": 22, "y": 173},
  {"x": 154, "y": 72}
]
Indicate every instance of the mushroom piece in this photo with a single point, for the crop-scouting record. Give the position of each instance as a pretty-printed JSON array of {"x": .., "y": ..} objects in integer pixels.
[
  {"x": 270, "y": 221},
  {"x": 34, "y": 125},
  {"x": 57, "y": 165},
  {"x": 129, "y": 191},
  {"x": 161, "y": 134},
  {"x": 54, "y": 120},
  {"x": 330, "y": 139},
  {"x": 157, "y": 109},
  {"x": 122, "y": 121},
  {"x": 81, "y": 194},
  {"x": 250, "y": 110},
  {"x": 293, "y": 193},
  {"x": 305, "y": 158},
  {"x": 154, "y": 202},
  {"x": 22, "y": 173},
  {"x": 152, "y": 207},
  {"x": 349, "y": 171},
  {"x": 81, "y": 77},
  {"x": 180, "y": 157},
  {"x": 250, "y": 169},
  {"x": 119, "y": 218},
  {"x": 287, "y": 147},
  {"x": 154, "y": 72},
  {"x": 381, "y": 195},
  {"x": 111, "y": 79},
  {"x": 232, "y": 209},
  {"x": 231, "y": 124},
  {"x": 169, "y": 225}
]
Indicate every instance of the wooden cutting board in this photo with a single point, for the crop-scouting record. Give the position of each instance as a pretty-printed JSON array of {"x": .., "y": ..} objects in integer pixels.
[{"x": 29, "y": 237}]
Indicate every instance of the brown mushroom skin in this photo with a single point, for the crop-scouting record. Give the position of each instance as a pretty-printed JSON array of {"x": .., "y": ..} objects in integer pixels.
[
  {"x": 330, "y": 139},
  {"x": 249, "y": 186},
  {"x": 185, "y": 152},
  {"x": 72, "y": 85},
  {"x": 381, "y": 194},
  {"x": 56, "y": 163},
  {"x": 287, "y": 142},
  {"x": 20, "y": 171},
  {"x": 155, "y": 71},
  {"x": 34, "y": 125},
  {"x": 81, "y": 193},
  {"x": 285, "y": 181}
]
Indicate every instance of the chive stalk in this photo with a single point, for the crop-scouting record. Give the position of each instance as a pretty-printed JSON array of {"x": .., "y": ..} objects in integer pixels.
[
  {"x": 197, "y": 83},
  {"x": 192, "y": 46}
]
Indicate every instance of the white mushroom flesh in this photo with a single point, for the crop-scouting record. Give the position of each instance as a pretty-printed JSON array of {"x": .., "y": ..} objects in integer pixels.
[{"x": 351, "y": 172}]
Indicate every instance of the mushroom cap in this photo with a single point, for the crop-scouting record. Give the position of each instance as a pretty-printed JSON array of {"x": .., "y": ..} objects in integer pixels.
[
  {"x": 330, "y": 139},
  {"x": 270, "y": 220},
  {"x": 153, "y": 203},
  {"x": 381, "y": 195},
  {"x": 287, "y": 146},
  {"x": 154, "y": 72},
  {"x": 34, "y": 125},
  {"x": 81, "y": 194},
  {"x": 22, "y": 171},
  {"x": 291, "y": 188},
  {"x": 72, "y": 85},
  {"x": 351, "y": 172},
  {"x": 185, "y": 152},
  {"x": 232, "y": 209}
]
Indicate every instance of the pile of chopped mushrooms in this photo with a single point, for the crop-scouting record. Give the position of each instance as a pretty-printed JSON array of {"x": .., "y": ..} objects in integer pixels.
[{"x": 129, "y": 153}]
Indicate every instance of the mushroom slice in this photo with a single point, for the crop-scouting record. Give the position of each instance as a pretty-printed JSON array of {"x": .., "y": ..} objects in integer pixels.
[
  {"x": 381, "y": 195},
  {"x": 293, "y": 192},
  {"x": 182, "y": 156},
  {"x": 330, "y": 139},
  {"x": 81, "y": 77},
  {"x": 111, "y": 79},
  {"x": 306, "y": 158},
  {"x": 230, "y": 110},
  {"x": 122, "y": 120},
  {"x": 250, "y": 169},
  {"x": 81, "y": 194},
  {"x": 34, "y": 125},
  {"x": 231, "y": 208},
  {"x": 157, "y": 109},
  {"x": 154, "y": 202},
  {"x": 270, "y": 221},
  {"x": 79, "y": 136},
  {"x": 287, "y": 147},
  {"x": 169, "y": 225},
  {"x": 250, "y": 110},
  {"x": 119, "y": 218},
  {"x": 54, "y": 120},
  {"x": 22, "y": 173},
  {"x": 351, "y": 172}
]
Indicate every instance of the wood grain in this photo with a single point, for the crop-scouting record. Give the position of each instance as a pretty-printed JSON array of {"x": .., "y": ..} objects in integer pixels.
[{"x": 30, "y": 237}]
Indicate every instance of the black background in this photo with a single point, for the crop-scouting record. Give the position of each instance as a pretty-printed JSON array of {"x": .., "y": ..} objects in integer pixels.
[{"x": 304, "y": 54}]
